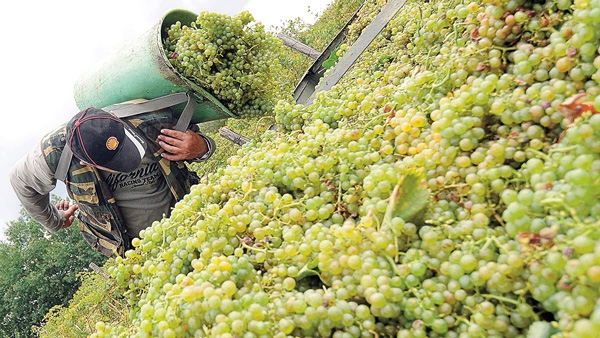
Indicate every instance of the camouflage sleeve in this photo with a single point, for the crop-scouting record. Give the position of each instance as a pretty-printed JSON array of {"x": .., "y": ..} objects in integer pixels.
[{"x": 32, "y": 180}]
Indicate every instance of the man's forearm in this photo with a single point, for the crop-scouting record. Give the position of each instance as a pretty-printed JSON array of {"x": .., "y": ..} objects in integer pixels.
[{"x": 32, "y": 182}]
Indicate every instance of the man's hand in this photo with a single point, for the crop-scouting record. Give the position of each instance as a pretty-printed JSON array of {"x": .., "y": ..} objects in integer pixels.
[
  {"x": 69, "y": 211},
  {"x": 181, "y": 146}
]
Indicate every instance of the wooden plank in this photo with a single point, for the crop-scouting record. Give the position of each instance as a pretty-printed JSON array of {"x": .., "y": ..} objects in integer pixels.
[
  {"x": 233, "y": 136},
  {"x": 311, "y": 78},
  {"x": 364, "y": 40},
  {"x": 299, "y": 46},
  {"x": 99, "y": 271}
]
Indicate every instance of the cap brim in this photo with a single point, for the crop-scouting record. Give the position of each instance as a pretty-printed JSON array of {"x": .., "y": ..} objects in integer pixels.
[{"x": 130, "y": 154}]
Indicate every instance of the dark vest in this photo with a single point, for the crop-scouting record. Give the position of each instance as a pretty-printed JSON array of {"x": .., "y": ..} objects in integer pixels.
[{"x": 100, "y": 219}]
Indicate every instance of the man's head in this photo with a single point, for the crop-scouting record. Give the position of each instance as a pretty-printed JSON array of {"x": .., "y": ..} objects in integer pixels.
[{"x": 101, "y": 139}]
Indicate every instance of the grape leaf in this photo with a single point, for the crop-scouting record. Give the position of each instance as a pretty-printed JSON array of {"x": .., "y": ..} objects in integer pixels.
[
  {"x": 333, "y": 58},
  {"x": 310, "y": 269},
  {"x": 306, "y": 271},
  {"x": 382, "y": 60},
  {"x": 408, "y": 198}
]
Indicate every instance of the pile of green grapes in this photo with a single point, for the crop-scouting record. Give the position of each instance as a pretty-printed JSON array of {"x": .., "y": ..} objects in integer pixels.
[
  {"x": 232, "y": 57},
  {"x": 448, "y": 186}
]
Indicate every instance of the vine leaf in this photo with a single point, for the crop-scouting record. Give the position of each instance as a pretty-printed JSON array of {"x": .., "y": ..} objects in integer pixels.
[
  {"x": 382, "y": 60},
  {"x": 306, "y": 271},
  {"x": 333, "y": 58},
  {"x": 310, "y": 269},
  {"x": 409, "y": 197}
]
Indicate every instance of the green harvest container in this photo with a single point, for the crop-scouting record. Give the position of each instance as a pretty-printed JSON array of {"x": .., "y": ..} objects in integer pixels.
[{"x": 140, "y": 69}]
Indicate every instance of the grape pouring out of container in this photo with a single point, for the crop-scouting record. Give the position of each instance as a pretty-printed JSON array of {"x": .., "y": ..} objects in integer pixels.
[{"x": 233, "y": 57}]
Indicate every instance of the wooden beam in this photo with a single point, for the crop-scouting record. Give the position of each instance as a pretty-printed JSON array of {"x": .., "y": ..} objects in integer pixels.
[
  {"x": 364, "y": 40},
  {"x": 233, "y": 136},
  {"x": 99, "y": 271},
  {"x": 299, "y": 46},
  {"x": 315, "y": 72}
]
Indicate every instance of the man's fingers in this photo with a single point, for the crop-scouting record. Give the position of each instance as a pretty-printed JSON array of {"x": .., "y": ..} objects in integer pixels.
[
  {"x": 173, "y": 133},
  {"x": 62, "y": 205},
  {"x": 71, "y": 210},
  {"x": 180, "y": 145},
  {"x": 70, "y": 215},
  {"x": 175, "y": 148},
  {"x": 169, "y": 148},
  {"x": 170, "y": 141},
  {"x": 173, "y": 137},
  {"x": 172, "y": 157}
]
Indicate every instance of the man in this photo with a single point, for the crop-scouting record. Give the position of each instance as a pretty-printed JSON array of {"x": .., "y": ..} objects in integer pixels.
[{"x": 124, "y": 175}]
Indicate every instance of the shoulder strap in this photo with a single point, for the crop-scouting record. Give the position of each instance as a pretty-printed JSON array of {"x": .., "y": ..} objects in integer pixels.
[
  {"x": 161, "y": 103},
  {"x": 63, "y": 164},
  {"x": 144, "y": 107}
]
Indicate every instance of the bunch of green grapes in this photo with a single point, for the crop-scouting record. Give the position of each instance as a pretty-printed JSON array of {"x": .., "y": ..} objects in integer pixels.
[
  {"x": 318, "y": 231},
  {"x": 499, "y": 108},
  {"x": 232, "y": 57},
  {"x": 269, "y": 229},
  {"x": 556, "y": 217}
]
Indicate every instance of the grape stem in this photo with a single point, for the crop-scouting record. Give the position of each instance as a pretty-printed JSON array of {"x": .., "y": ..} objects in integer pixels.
[
  {"x": 450, "y": 186},
  {"x": 439, "y": 84},
  {"x": 499, "y": 245},
  {"x": 507, "y": 300},
  {"x": 374, "y": 333},
  {"x": 540, "y": 154},
  {"x": 419, "y": 20},
  {"x": 563, "y": 149},
  {"x": 251, "y": 247},
  {"x": 374, "y": 119},
  {"x": 561, "y": 202},
  {"x": 501, "y": 298},
  {"x": 499, "y": 219},
  {"x": 393, "y": 266},
  {"x": 494, "y": 239}
]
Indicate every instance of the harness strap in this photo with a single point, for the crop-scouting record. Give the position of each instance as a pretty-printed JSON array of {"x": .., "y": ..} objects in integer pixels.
[
  {"x": 144, "y": 107},
  {"x": 63, "y": 164},
  {"x": 161, "y": 103}
]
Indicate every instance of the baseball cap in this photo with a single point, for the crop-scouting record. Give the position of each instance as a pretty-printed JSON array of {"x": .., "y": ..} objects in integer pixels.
[{"x": 100, "y": 138}]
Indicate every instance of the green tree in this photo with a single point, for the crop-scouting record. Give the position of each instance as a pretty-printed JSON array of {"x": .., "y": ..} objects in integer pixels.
[{"x": 38, "y": 270}]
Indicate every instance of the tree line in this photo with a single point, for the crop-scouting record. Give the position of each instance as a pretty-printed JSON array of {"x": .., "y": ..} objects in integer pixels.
[{"x": 39, "y": 270}]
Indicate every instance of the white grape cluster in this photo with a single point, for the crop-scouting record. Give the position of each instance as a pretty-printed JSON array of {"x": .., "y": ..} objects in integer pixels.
[{"x": 232, "y": 57}]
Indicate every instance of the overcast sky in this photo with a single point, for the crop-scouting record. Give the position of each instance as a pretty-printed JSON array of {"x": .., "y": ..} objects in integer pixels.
[{"x": 47, "y": 45}]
